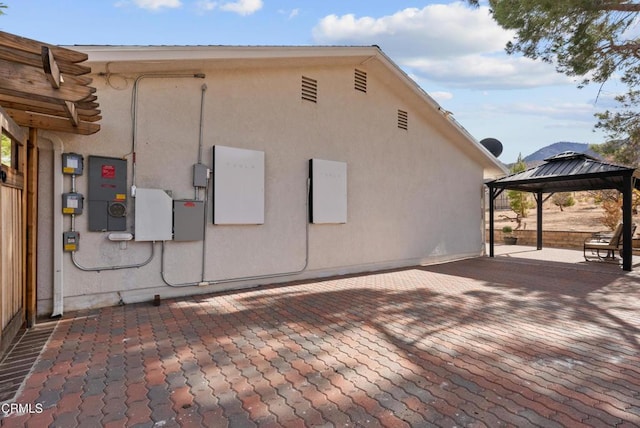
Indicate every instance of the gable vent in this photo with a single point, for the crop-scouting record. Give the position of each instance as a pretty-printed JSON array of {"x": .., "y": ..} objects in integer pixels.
[
  {"x": 403, "y": 119},
  {"x": 360, "y": 80},
  {"x": 309, "y": 89}
]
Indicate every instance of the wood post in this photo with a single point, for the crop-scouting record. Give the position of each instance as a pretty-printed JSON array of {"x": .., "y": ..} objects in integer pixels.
[{"x": 31, "y": 242}]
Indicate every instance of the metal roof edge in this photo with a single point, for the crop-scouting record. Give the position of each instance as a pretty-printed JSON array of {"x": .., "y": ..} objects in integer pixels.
[{"x": 114, "y": 53}]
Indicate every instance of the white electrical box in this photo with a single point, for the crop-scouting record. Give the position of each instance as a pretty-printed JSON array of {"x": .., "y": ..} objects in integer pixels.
[
  {"x": 328, "y": 198},
  {"x": 153, "y": 216},
  {"x": 238, "y": 186}
]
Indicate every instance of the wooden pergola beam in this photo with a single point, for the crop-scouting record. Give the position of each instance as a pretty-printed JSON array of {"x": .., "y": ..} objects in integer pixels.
[
  {"x": 50, "y": 108},
  {"x": 31, "y": 46},
  {"x": 35, "y": 60},
  {"x": 51, "y": 69},
  {"x": 53, "y": 123},
  {"x": 30, "y": 82}
]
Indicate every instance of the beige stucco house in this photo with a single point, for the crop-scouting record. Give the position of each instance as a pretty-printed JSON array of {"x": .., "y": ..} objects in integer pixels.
[{"x": 228, "y": 167}]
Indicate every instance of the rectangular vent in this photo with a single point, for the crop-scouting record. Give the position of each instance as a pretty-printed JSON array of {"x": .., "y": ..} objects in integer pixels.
[
  {"x": 309, "y": 89},
  {"x": 360, "y": 80},
  {"x": 403, "y": 119}
]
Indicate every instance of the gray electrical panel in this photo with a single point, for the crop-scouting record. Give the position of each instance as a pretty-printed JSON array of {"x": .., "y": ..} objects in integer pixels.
[
  {"x": 200, "y": 175},
  {"x": 72, "y": 203},
  {"x": 188, "y": 220},
  {"x": 107, "y": 194},
  {"x": 72, "y": 163}
]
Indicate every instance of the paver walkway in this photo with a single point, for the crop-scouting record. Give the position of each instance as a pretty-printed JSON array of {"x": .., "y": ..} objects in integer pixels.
[{"x": 481, "y": 342}]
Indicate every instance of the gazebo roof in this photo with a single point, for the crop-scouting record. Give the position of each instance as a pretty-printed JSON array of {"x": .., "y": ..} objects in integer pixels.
[{"x": 568, "y": 172}]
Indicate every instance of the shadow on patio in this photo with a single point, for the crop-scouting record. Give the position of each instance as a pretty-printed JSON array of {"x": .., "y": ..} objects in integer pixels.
[{"x": 490, "y": 342}]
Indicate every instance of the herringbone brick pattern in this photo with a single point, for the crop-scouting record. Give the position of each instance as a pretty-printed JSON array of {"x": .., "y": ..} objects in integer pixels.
[{"x": 475, "y": 343}]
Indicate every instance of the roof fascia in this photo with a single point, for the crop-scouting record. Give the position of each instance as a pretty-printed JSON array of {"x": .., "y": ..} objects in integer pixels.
[
  {"x": 113, "y": 54},
  {"x": 493, "y": 167},
  {"x": 184, "y": 53}
]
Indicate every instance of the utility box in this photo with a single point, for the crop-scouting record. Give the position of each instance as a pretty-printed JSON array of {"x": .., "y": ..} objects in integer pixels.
[
  {"x": 328, "y": 193},
  {"x": 238, "y": 186},
  {"x": 188, "y": 220},
  {"x": 153, "y": 215},
  {"x": 107, "y": 194},
  {"x": 72, "y": 163},
  {"x": 72, "y": 203},
  {"x": 70, "y": 241}
]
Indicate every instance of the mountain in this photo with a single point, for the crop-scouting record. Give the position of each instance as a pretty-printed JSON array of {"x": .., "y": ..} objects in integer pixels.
[{"x": 555, "y": 148}]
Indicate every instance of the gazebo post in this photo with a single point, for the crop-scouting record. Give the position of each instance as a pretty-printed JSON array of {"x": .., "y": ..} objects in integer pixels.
[
  {"x": 539, "y": 202},
  {"x": 492, "y": 198},
  {"x": 627, "y": 219}
]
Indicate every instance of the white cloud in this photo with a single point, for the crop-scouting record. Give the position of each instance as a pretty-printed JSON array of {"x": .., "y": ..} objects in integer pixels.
[
  {"x": 487, "y": 72},
  {"x": 557, "y": 111},
  {"x": 206, "y": 5},
  {"x": 294, "y": 13},
  {"x": 157, "y": 4},
  {"x": 290, "y": 13},
  {"x": 441, "y": 95},
  {"x": 242, "y": 7},
  {"x": 451, "y": 44},
  {"x": 436, "y": 30}
]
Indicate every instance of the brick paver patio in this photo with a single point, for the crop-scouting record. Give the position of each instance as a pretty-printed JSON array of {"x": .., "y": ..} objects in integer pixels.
[{"x": 481, "y": 342}]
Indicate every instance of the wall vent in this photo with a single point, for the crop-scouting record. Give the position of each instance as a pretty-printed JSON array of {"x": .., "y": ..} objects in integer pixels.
[
  {"x": 403, "y": 120},
  {"x": 309, "y": 89},
  {"x": 360, "y": 80}
]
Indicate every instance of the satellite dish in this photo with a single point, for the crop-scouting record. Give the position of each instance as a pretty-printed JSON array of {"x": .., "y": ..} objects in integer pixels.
[{"x": 494, "y": 146}]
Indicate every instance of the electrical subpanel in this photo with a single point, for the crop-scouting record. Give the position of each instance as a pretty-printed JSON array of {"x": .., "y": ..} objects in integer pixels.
[
  {"x": 200, "y": 175},
  {"x": 328, "y": 194},
  {"x": 188, "y": 220},
  {"x": 107, "y": 194},
  {"x": 153, "y": 215},
  {"x": 70, "y": 241},
  {"x": 72, "y": 163},
  {"x": 238, "y": 186},
  {"x": 72, "y": 203}
]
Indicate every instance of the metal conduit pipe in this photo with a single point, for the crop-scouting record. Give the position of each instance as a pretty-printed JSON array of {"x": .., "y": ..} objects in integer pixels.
[
  {"x": 101, "y": 268},
  {"x": 58, "y": 254},
  {"x": 134, "y": 114},
  {"x": 246, "y": 278}
]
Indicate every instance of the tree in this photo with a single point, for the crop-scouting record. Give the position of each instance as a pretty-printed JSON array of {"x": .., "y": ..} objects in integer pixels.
[
  {"x": 589, "y": 39},
  {"x": 563, "y": 199},
  {"x": 520, "y": 202}
]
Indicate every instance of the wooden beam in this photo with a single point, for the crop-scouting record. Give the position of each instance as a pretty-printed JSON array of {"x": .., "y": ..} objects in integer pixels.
[
  {"x": 72, "y": 114},
  {"x": 51, "y": 69},
  {"x": 22, "y": 168},
  {"x": 31, "y": 244},
  {"x": 52, "y": 123},
  {"x": 26, "y": 58},
  {"x": 50, "y": 108},
  {"x": 28, "y": 81},
  {"x": 34, "y": 46}
]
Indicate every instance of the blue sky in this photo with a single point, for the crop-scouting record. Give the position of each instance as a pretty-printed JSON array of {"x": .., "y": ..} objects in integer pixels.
[{"x": 453, "y": 52}]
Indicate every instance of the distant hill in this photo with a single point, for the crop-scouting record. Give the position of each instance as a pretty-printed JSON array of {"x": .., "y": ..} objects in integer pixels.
[{"x": 555, "y": 148}]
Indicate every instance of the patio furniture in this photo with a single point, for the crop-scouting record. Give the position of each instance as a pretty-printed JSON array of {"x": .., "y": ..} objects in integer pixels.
[{"x": 602, "y": 242}]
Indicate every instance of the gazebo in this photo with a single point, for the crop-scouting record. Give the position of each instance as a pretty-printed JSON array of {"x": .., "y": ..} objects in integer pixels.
[{"x": 570, "y": 172}]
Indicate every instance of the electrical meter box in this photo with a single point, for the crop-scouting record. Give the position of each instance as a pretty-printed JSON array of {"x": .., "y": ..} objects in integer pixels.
[
  {"x": 72, "y": 203},
  {"x": 107, "y": 194},
  {"x": 188, "y": 220},
  {"x": 72, "y": 163},
  {"x": 70, "y": 241}
]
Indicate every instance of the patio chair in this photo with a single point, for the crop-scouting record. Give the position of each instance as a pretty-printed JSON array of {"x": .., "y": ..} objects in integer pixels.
[{"x": 601, "y": 243}]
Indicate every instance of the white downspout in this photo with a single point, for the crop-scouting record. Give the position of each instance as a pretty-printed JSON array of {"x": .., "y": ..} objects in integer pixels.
[{"x": 58, "y": 254}]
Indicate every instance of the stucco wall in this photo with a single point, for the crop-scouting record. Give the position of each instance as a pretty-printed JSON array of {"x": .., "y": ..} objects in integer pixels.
[{"x": 413, "y": 197}]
